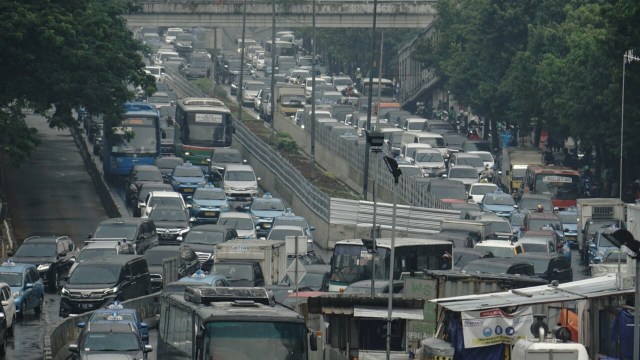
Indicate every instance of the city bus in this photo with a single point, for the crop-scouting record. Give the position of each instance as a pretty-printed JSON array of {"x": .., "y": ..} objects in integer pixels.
[
  {"x": 206, "y": 323},
  {"x": 135, "y": 141},
  {"x": 387, "y": 90},
  {"x": 561, "y": 183},
  {"x": 283, "y": 48},
  {"x": 201, "y": 125},
  {"x": 352, "y": 261}
]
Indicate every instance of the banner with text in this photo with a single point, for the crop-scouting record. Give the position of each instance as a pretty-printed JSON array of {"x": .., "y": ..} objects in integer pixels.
[{"x": 490, "y": 327}]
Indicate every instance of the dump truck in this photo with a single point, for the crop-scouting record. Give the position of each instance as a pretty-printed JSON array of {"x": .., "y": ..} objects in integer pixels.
[
  {"x": 272, "y": 256},
  {"x": 514, "y": 166},
  {"x": 593, "y": 214}
]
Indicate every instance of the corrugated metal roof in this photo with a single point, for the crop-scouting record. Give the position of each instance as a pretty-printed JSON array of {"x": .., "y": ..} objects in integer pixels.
[
  {"x": 382, "y": 313},
  {"x": 577, "y": 290}
]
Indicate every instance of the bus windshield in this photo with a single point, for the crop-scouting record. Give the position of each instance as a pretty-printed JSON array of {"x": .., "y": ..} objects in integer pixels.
[
  {"x": 205, "y": 129},
  {"x": 135, "y": 135},
  {"x": 560, "y": 187},
  {"x": 244, "y": 340}
]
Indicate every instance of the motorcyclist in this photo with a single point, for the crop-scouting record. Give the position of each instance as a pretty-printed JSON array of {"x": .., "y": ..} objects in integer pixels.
[{"x": 473, "y": 135}]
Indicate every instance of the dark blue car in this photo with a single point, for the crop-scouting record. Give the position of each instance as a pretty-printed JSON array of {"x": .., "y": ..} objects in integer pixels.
[
  {"x": 116, "y": 312},
  {"x": 186, "y": 178}
]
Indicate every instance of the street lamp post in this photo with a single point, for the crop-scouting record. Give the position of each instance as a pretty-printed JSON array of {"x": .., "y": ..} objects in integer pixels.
[
  {"x": 240, "y": 83},
  {"x": 365, "y": 184},
  {"x": 626, "y": 58},
  {"x": 392, "y": 165}
]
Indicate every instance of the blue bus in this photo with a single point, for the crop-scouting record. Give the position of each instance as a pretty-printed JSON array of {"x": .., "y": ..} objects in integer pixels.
[{"x": 135, "y": 141}]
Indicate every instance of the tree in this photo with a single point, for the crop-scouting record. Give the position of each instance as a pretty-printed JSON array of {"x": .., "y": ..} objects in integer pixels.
[{"x": 59, "y": 55}]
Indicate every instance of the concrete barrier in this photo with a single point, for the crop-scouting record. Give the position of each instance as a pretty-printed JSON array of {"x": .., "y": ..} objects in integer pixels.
[{"x": 68, "y": 331}]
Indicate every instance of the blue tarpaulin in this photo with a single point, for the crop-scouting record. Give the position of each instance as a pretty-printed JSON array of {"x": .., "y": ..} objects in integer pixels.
[{"x": 493, "y": 352}]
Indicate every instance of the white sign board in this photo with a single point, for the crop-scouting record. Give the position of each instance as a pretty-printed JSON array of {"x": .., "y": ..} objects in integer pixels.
[
  {"x": 296, "y": 245},
  {"x": 494, "y": 326},
  {"x": 291, "y": 271}
]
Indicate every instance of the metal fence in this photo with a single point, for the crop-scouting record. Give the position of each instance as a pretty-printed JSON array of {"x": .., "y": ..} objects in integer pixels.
[{"x": 409, "y": 218}]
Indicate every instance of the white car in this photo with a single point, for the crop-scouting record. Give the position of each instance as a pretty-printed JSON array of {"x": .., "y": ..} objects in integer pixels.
[
  {"x": 243, "y": 223},
  {"x": 9, "y": 305},
  {"x": 479, "y": 189},
  {"x": 240, "y": 182},
  {"x": 465, "y": 173},
  {"x": 430, "y": 160},
  {"x": 161, "y": 198},
  {"x": 160, "y": 100},
  {"x": 486, "y": 157}
]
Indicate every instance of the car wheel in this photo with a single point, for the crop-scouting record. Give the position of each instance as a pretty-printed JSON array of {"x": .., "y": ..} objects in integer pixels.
[
  {"x": 38, "y": 309},
  {"x": 10, "y": 331},
  {"x": 54, "y": 281}
]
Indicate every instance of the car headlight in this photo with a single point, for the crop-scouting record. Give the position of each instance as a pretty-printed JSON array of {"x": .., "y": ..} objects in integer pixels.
[
  {"x": 64, "y": 291},
  {"x": 195, "y": 206},
  {"x": 111, "y": 291},
  {"x": 183, "y": 231},
  {"x": 16, "y": 294},
  {"x": 44, "y": 267}
]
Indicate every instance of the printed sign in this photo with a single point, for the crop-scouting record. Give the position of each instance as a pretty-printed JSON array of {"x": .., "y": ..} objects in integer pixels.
[
  {"x": 557, "y": 179},
  {"x": 209, "y": 118},
  {"x": 490, "y": 327}
]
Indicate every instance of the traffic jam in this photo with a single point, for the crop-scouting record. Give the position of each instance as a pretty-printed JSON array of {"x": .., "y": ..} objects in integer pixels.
[{"x": 208, "y": 264}]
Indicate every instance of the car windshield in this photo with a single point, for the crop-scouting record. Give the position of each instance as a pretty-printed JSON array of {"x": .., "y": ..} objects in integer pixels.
[
  {"x": 268, "y": 205},
  {"x": 127, "y": 316},
  {"x": 168, "y": 215},
  {"x": 485, "y": 156},
  {"x": 202, "y": 194},
  {"x": 449, "y": 192},
  {"x": 111, "y": 342},
  {"x": 94, "y": 274},
  {"x": 188, "y": 172},
  {"x": 226, "y": 157},
  {"x": 158, "y": 99},
  {"x": 532, "y": 203},
  {"x": 154, "y": 258},
  {"x": 571, "y": 218},
  {"x": 290, "y": 221},
  {"x": 535, "y": 247},
  {"x": 233, "y": 271},
  {"x": 482, "y": 190},
  {"x": 148, "y": 176},
  {"x": 13, "y": 279},
  {"x": 433, "y": 141},
  {"x": 463, "y": 173},
  {"x": 281, "y": 234},
  {"x": 253, "y": 86},
  {"x": 544, "y": 224},
  {"x": 87, "y": 254},
  {"x": 429, "y": 157},
  {"x": 341, "y": 81},
  {"x": 497, "y": 251},
  {"x": 36, "y": 250},
  {"x": 472, "y": 161},
  {"x": 239, "y": 176},
  {"x": 411, "y": 171},
  {"x": 477, "y": 146},
  {"x": 204, "y": 237},
  {"x": 491, "y": 199},
  {"x": 162, "y": 200},
  {"x": 116, "y": 231},
  {"x": 237, "y": 223}
]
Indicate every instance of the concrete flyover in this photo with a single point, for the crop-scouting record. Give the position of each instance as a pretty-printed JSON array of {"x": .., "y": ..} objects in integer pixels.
[{"x": 329, "y": 13}]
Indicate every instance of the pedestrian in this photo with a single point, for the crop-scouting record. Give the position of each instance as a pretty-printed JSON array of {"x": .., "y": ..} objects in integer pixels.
[{"x": 358, "y": 77}]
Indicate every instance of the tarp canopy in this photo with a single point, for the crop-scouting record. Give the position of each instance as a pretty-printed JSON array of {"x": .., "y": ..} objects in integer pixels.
[{"x": 382, "y": 313}]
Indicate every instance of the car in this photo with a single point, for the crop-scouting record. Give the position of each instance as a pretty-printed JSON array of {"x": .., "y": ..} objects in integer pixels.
[
  {"x": 539, "y": 220},
  {"x": 203, "y": 238},
  {"x": 293, "y": 220},
  {"x": 486, "y": 157},
  {"x": 533, "y": 202},
  {"x": 265, "y": 209},
  {"x": 466, "y": 174},
  {"x": 500, "y": 248},
  {"x": 141, "y": 233},
  {"x": 4, "y": 331},
  {"x": 145, "y": 189},
  {"x": 479, "y": 189},
  {"x": 598, "y": 246},
  {"x": 411, "y": 170},
  {"x": 207, "y": 203},
  {"x": 220, "y": 158},
  {"x": 475, "y": 161},
  {"x": 101, "y": 281},
  {"x": 99, "y": 248},
  {"x": 509, "y": 266},
  {"x": 187, "y": 262},
  {"x": 549, "y": 266},
  {"x": 431, "y": 162},
  {"x": 26, "y": 286},
  {"x": 476, "y": 145},
  {"x": 240, "y": 182},
  {"x": 186, "y": 178},
  {"x": 8, "y": 307},
  {"x": 154, "y": 198},
  {"x": 160, "y": 99},
  {"x": 116, "y": 309},
  {"x": 517, "y": 220},
  {"x": 200, "y": 277},
  {"x": 243, "y": 223},
  {"x": 166, "y": 164},
  {"x": 171, "y": 222},
  {"x": 380, "y": 287},
  {"x": 499, "y": 203},
  {"x": 250, "y": 90},
  {"x": 448, "y": 191},
  {"x": 283, "y": 231},
  {"x": 110, "y": 339},
  {"x": 141, "y": 174},
  {"x": 52, "y": 255},
  {"x": 545, "y": 241},
  {"x": 569, "y": 218}
]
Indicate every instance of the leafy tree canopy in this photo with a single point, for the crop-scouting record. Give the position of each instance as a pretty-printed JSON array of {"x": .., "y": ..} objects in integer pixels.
[{"x": 59, "y": 55}]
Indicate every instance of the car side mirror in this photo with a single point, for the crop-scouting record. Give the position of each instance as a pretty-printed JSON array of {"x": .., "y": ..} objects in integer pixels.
[
  {"x": 81, "y": 325},
  {"x": 258, "y": 179},
  {"x": 148, "y": 348},
  {"x": 28, "y": 286}
]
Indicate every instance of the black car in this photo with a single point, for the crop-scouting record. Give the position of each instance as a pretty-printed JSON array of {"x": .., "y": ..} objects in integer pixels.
[
  {"x": 187, "y": 263},
  {"x": 145, "y": 189},
  {"x": 171, "y": 222},
  {"x": 549, "y": 266},
  {"x": 52, "y": 255},
  {"x": 141, "y": 174},
  {"x": 3, "y": 331},
  {"x": 476, "y": 145},
  {"x": 220, "y": 158},
  {"x": 166, "y": 164},
  {"x": 140, "y": 232},
  {"x": 203, "y": 240},
  {"x": 509, "y": 266}
]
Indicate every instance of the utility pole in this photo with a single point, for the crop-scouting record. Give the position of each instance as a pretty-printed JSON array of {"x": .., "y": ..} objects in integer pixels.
[
  {"x": 313, "y": 88},
  {"x": 273, "y": 68},
  {"x": 365, "y": 183},
  {"x": 244, "y": 22}
]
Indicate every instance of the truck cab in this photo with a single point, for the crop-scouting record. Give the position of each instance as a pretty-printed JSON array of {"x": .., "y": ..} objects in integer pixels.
[{"x": 240, "y": 273}]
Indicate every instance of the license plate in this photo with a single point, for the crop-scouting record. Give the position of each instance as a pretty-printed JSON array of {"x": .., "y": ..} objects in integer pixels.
[
  {"x": 189, "y": 190},
  {"x": 209, "y": 213},
  {"x": 86, "y": 306}
]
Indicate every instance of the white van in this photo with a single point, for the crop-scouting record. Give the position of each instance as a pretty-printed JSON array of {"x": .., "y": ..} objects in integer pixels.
[
  {"x": 240, "y": 182},
  {"x": 170, "y": 37},
  {"x": 163, "y": 55},
  {"x": 409, "y": 150},
  {"x": 435, "y": 140},
  {"x": 413, "y": 124}
]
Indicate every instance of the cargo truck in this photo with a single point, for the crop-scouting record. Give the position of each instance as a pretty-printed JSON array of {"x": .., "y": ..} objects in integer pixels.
[
  {"x": 270, "y": 254},
  {"x": 514, "y": 166},
  {"x": 593, "y": 214},
  {"x": 289, "y": 99}
]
